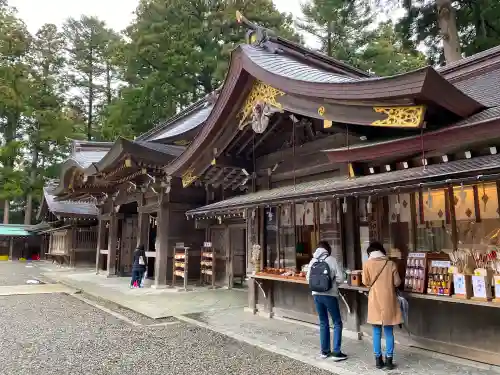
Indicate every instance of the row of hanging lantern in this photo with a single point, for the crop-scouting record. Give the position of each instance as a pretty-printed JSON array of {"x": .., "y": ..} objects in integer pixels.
[{"x": 344, "y": 205}]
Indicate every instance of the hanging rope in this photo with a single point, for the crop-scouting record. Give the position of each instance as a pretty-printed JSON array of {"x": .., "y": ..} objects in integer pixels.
[
  {"x": 347, "y": 145},
  {"x": 422, "y": 146},
  {"x": 293, "y": 153},
  {"x": 254, "y": 172}
]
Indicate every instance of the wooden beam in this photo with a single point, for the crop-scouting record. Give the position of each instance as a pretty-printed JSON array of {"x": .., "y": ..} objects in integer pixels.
[
  {"x": 245, "y": 144},
  {"x": 264, "y": 136},
  {"x": 216, "y": 176},
  {"x": 232, "y": 162},
  {"x": 268, "y": 161},
  {"x": 301, "y": 172},
  {"x": 148, "y": 208},
  {"x": 237, "y": 139}
]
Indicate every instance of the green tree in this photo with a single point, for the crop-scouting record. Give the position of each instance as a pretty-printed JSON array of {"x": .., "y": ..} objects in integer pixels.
[
  {"x": 14, "y": 92},
  {"x": 178, "y": 51},
  {"x": 47, "y": 128},
  {"x": 87, "y": 41},
  {"x": 340, "y": 26},
  {"x": 386, "y": 54},
  {"x": 449, "y": 29}
]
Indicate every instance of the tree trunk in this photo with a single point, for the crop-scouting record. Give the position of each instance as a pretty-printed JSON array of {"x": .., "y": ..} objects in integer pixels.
[
  {"x": 109, "y": 95},
  {"x": 448, "y": 28},
  {"x": 91, "y": 94},
  {"x": 329, "y": 44},
  {"x": 29, "y": 198},
  {"x": 6, "y": 211}
]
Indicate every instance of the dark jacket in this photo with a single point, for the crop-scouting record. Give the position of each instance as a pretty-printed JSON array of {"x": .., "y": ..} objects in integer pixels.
[{"x": 137, "y": 254}]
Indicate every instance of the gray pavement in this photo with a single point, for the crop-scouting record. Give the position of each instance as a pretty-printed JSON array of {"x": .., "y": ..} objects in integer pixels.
[
  {"x": 153, "y": 303},
  {"x": 61, "y": 335},
  {"x": 65, "y": 333},
  {"x": 301, "y": 341},
  {"x": 99, "y": 326},
  {"x": 17, "y": 273}
]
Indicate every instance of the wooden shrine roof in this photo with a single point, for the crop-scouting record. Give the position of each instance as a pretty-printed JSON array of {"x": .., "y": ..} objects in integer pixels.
[
  {"x": 65, "y": 208},
  {"x": 343, "y": 186},
  {"x": 143, "y": 153},
  {"x": 484, "y": 126},
  {"x": 294, "y": 77},
  {"x": 181, "y": 128}
]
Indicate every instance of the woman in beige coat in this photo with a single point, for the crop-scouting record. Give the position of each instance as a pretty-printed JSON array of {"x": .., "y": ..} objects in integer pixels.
[{"x": 381, "y": 275}]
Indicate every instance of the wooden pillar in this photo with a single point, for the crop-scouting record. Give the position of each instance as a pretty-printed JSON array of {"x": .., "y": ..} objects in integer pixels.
[
  {"x": 352, "y": 251},
  {"x": 71, "y": 246},
  {"x": 229, "y": 257},
  {"x": 101, "y": 228},
  {"x": 142, "y": 225},
  {"x": 252, "y": 295},
  {"x": 268, "y": 287},
  {"x": 11, "y": 248},
  {"x": 164, "y": 254},
  {"x": 112, "y": 243}
]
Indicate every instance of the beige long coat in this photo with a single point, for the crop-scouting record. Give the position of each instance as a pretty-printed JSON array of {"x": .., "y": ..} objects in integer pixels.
[{"x": 383, "y": 305}]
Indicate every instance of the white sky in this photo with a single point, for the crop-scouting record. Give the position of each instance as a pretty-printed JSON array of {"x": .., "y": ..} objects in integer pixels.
[{"x": 116, "y": 13}]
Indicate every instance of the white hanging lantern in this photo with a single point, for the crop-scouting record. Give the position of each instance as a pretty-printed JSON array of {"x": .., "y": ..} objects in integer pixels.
[
  {"x": 270, "y": 215},
  {"x": 397, "y": 206},
  {"x": 369, "y": 205},
  {"x": 462, "y": 194}
]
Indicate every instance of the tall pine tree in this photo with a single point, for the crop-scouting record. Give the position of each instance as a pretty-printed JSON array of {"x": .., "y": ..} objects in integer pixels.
[
  {"x": 14, "y": 92},
  {"x": 87, "y": 40},
  {"x": 448, "y": 29},
  {"x": 47, "y": 126},
  {"x": 340, "y": 26},
  {"x": 178, "y": 52}
]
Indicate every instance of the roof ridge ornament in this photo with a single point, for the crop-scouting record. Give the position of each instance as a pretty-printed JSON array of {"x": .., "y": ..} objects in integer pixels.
[{"x": 256, "y": 34}]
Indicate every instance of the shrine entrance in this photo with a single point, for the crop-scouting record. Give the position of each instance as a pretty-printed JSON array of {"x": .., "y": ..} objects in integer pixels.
[
  {"x": 237, "y": 255},
  {"x": 127, "y": 239}
]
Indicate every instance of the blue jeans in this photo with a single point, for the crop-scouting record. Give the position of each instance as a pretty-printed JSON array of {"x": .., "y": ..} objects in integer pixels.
[
  {"x": 136, "y": 276},
  {"x": 325, "y": 305},
  {"x": 389, "y": 340}
]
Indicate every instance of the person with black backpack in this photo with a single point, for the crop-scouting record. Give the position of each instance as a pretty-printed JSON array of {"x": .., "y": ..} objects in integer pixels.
[{"x": 323, "y": 275}]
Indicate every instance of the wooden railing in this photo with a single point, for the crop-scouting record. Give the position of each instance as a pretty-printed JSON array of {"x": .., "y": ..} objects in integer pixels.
[
  {"x": 63, "y": 242},
  {"x": 85, "y": 239},
  {"x": 59, "y": 242}
]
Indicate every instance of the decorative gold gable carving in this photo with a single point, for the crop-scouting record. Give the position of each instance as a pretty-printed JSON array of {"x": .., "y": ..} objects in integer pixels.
[
  {"x": 188, "y": 177},
  {"x": 260, "y": 93},
  {"x": 401, "y": 117}
]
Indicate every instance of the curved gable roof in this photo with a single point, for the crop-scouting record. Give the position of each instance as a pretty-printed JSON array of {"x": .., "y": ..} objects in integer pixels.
[
  {"x": 290, "y": 73},
  {"x": 182, "y": 123}
]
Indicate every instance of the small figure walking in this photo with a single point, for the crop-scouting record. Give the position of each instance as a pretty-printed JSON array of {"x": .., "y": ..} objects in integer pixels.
[{"x": 138, "y": 267}]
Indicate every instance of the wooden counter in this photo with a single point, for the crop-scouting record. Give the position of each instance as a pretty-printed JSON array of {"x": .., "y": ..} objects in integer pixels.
[
  {"x": 364, "y": 289},
  {"x": 302, "y": 280}
]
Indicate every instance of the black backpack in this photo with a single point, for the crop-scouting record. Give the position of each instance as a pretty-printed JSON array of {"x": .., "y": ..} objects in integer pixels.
[{"x": 319, "y": 276}]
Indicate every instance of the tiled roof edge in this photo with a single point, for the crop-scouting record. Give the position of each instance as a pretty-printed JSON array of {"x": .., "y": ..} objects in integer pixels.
[{"x": 181, "y": 114}]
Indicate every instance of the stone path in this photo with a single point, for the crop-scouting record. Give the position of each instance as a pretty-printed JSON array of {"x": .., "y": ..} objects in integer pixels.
[
  {"x": 153, "y": 303},
  {"x": 58, "y": 334},
  {"x": 33, "y": 289},
  {"x": 222, "y": 311},
  {"x": 301, "y": 341}
]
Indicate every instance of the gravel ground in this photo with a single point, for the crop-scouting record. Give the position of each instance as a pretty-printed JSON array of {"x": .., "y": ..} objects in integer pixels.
[
  {"x": 132, "y": 315},
  {"x": 58, "y": 334},
  {"x": 16, "y": 273}
]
